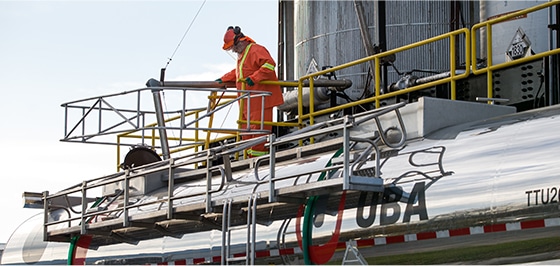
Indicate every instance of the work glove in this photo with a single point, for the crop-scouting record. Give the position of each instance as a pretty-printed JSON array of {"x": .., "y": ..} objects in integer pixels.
[
  {"x": 249, "y": 82},
  {"x": 219, "y": 81}
]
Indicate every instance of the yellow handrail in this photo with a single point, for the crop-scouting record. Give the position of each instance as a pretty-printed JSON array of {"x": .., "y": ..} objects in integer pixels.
[
  {"x": 490, "y": 67},
  {"x": 470, "y": 65},
  {"x": 377, "y": 58},
  {"x": 470, "y": 56},
  {"x": 153, "y": 137}
]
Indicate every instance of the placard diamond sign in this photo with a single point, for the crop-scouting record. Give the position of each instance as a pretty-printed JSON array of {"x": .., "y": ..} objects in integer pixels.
[{"x": 519, "y": 46}]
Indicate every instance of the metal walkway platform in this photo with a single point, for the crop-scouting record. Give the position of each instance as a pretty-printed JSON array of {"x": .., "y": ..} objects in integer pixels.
[{"x": 145, "y": 203}]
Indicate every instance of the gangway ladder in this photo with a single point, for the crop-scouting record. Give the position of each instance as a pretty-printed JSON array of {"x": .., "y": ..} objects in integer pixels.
[
  {"x": 250, "y": 227},
  {"x": 352, "y": 256}
]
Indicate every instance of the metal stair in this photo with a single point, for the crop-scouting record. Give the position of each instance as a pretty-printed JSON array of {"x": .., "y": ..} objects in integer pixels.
[{"x": 227, "y": 228}]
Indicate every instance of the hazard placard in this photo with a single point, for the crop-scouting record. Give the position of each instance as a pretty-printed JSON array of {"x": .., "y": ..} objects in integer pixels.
[{"x": 519, "y": 46}]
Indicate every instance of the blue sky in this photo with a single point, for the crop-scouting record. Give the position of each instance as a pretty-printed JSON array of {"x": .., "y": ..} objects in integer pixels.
[{"x": 53, "y": 52}]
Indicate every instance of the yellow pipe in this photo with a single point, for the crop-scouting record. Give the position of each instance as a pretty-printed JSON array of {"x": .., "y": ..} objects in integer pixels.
[
  {"x": 488, "y": 24},
  {"x": 311, "y": 106},
  {"x": 212, "y": 103},
  {"x": 377, "y": 58},
  {"x": 300, "y": 106},
  {"x": 489, "y": 83},
  {"x": 524, "y": 59},
  {"x": 377, "y": 82},
  {"x": 452, "y": 67}
]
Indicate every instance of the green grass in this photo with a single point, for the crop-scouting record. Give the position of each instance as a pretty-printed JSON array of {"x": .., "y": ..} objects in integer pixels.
[{"x": 472, "y": 254}]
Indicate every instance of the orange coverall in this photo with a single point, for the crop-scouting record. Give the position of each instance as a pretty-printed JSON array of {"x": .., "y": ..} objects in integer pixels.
[{"x": 257, "y": 64}]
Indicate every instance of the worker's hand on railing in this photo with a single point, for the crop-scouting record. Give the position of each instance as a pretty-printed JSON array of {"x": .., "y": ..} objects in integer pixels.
[
  {"x": 219, "y": 81},
  {"x": 249, "y": 82}
]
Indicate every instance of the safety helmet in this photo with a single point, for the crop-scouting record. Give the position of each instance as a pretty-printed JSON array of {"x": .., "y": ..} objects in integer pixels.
[{"x": 232, "y": 37}]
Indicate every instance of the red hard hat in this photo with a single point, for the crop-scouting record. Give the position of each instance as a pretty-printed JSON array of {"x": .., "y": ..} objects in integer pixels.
[
  {"x": 229, "y": 38},
  {"x": 233, "y": 36}
]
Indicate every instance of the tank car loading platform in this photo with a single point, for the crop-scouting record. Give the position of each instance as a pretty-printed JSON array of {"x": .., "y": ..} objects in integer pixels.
[{"x": 144, "y": 202}]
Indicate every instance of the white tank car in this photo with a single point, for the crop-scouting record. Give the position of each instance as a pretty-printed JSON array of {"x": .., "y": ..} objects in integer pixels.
[
  {"x": 423, "y": 181},
  {"x": 478, "y": 183}
]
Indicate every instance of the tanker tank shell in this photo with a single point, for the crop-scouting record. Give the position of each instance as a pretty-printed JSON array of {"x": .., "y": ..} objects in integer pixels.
[{"x": 493, "y": 173}]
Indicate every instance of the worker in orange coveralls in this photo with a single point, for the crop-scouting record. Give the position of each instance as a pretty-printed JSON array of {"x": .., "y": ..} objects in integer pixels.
[{"x": 254, "y": 64}]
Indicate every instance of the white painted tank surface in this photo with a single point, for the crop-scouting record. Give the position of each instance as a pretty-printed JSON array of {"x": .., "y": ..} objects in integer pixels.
[{"x": 477, "y": 183}]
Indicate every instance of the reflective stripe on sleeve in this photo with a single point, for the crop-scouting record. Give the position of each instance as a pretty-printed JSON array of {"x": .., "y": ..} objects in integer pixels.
[{"x": 269, "y": 66}]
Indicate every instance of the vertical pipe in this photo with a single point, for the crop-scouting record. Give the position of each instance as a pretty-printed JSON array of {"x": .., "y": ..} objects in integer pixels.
[
  {"x": 84, "y": 209},
  {"x": 118, "y": 152},
  {"x": 138, "y": 108},
  {"x": 272, "y": 162},
  {"x": 311, "y": 106},
  {"x": 170, "y": 185},
  {"x": 182, "y": 119},
  {"x": 248, "y": 250},
  {"x": 196, "y": 135},
  {"x": 281, "y": 25},
  {"x": 377, "y": 82},
  {"x": 211, "y": 106},
  {"x": 224, "y": 231},
  {"x": 366, "y": 38},
  {"x": 382, "y": 38},
  {"x": 262, "y": 112},
  {"x": 280, "y": 66},
  {"x": 300, "y": 107},
  {"x": 287, "y": 49},
  {"x": 346, "y": 154},
  {"x": 248, "y": 103},
  {"x": 489, "y": 84},
  {"x": 126, "y": 198},
  {"x": 253, "y": 230},
  {"x": 45, "y": 215},
  {"x": 452, "y": 65},
  {"x": 208, "y": 180},
  {"x": 482, "y": 45},
  {"x": 289, "y": 58},
  {"x": 143, "y": 124},
  {"x": 228, "y": 232},
  {"x": 100, "y": 128},
  {"x": 84, "y": 124},
  {"x": 65, "y": 121},
  {"x": 161, "y": 123},
  {"x": 454, "y": 18},
  {"x": 556, "y": 58},
  {"x": 554, "y": 61}
]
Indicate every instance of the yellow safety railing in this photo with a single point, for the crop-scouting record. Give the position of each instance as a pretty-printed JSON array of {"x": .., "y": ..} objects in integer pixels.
[
  {"x": 470, "y": 65},
  {"x": 469, "y": 38},
  {"x": 204, "y": 141},
  {"x": 490, "y": 67},
  {"x": 453, "y": 77},
  {"x": 377, "y": 98}
]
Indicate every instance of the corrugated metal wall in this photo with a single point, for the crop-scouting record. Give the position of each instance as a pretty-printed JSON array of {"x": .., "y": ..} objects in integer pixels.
[
  {"x": 328, "y": 33},
  {"x": 412, "y": 21}
]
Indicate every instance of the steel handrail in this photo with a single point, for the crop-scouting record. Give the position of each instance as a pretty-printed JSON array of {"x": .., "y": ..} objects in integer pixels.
[{"x": 136, "y": 117}]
